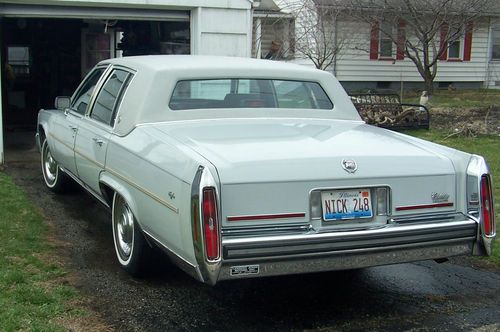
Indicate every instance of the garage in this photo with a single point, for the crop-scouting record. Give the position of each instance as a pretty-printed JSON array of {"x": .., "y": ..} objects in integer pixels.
[{"x": 47, "y": 49}]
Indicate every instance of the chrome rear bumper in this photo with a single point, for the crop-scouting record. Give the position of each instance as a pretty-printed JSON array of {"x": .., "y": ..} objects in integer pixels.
[{"x": 259, "y": 256}]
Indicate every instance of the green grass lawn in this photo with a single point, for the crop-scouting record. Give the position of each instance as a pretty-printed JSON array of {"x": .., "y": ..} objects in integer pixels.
[
  {"x": 32, "y": 296},
  {"x": 486, "y": 146},
  {"x": 458, "y": 98}
]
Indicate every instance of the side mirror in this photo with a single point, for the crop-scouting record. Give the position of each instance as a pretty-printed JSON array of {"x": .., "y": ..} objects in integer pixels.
[{"x": 62, "y": 103}]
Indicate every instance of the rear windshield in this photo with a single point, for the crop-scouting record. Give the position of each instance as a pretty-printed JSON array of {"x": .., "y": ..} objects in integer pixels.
[{"x": 248, "y": 93}]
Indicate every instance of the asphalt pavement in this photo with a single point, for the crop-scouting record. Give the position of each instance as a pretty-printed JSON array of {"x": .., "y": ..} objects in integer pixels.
[{"x": 460, "y": 295}]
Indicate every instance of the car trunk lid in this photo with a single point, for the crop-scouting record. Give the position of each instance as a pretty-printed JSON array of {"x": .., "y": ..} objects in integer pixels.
[{"x": 267, "y": 167}]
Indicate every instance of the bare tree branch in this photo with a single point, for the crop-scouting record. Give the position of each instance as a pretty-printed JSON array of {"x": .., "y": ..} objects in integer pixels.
[
  {"x": 430, "y": 25},
  {"x": 316, "y": 38}
]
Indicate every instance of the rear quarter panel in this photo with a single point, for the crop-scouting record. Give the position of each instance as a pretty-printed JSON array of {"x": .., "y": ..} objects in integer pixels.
[
  {"x": 460, "y": 162},
  {"x": 155, "y": 175}
]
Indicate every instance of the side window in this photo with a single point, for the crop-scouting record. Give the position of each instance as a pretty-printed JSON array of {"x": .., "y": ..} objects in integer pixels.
[
  {"x": 108, "y": 98},
  {"x": 82, "y": 98}
]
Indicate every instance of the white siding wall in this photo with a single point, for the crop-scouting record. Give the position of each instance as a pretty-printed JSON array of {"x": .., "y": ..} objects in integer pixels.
[
  {"x": 217, "y": 31},
  {"x": 354, "y": 64},
  {"x": 493, "y": 79}
]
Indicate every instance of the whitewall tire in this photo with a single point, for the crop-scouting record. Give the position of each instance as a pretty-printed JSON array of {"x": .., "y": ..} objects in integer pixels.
[
  {"x": 131, "y": 247},
  {"x": 55, "y": 179}
]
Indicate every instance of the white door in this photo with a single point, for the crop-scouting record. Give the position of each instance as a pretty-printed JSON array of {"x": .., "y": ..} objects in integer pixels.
[
  {"x": 66, "y": 126},
  {"x": 63, "y": 135},
  {"x": 95, "y": 129}
]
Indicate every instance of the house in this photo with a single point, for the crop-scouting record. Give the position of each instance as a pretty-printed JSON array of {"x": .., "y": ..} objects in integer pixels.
[
  {"x": 370, "y": 60},
  {"x": 47, "y": 46}
]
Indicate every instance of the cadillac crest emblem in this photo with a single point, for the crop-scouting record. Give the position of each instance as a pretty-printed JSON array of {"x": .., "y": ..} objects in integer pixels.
[{"x": 349, "y": 165}]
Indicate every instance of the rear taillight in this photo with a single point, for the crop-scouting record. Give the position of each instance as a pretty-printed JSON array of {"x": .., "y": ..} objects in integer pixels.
[
  {"x": 487, "y": 210},
  {"x": 210, "y": 224}
]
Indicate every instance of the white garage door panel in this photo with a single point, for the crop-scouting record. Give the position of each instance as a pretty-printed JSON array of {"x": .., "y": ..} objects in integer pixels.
[
  {"x": 224, "y": 20},
  {"x": 224, "y": 44}
]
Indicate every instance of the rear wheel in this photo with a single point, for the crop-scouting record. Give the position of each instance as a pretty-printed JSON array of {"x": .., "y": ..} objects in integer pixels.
[
  {"x": 130, "y": 245},
  {"x": 54, "y": 178}
]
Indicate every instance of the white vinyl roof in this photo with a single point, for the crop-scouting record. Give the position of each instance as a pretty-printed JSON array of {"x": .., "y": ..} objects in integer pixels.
[{"x": 148, "y": 95}]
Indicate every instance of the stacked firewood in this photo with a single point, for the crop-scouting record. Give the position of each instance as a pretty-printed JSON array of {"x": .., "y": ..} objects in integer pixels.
[{"x": 380, "y": 116}]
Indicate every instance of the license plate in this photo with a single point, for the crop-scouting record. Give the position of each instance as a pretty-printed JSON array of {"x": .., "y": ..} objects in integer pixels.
[{"x": 346, "y": 204}]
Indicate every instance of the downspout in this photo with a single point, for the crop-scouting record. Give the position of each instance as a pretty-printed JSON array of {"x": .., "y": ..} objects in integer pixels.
[
  {"x": 487, "y": 76},
  {"x": 195, "y": 22},
  {"x": 335, "y": 43}
]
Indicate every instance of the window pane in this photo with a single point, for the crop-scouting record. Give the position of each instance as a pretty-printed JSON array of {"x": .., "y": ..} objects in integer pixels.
[
  {"x": 385, "y": 40},
  {"x": 82, "y": 98},
  {"x": 106, "y": 99},
  {"x": 454, "y": 50},
  {"x": 496, "y": 45},
  {"x": 386, "y": 48},
  {"x": 18, "y": 59},
  {"x": 248, "y": 93}
]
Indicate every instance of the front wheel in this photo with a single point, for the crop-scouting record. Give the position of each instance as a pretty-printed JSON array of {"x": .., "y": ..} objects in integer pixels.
[
  {"x": 130, "y": 245},
  {"x": 54, "y": 178}
]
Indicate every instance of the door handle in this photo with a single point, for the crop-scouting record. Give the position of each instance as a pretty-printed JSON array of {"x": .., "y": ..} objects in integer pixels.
[
  {"x": 98, "y": 141},
  {"x": 74, "y": 128}
]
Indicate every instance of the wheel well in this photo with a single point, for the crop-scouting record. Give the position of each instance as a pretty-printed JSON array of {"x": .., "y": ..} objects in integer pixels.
[
  {"x": 41, "y": 132},
  {"x": 107, "y": 192}
]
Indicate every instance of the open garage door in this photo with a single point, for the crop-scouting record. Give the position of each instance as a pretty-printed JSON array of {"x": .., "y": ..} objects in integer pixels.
[
  {"x": 77, "y": 12},
  {"x": 46, "y": 50}
]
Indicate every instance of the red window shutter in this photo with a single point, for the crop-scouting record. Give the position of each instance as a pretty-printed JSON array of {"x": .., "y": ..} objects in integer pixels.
[
  {"x": 443, "y": 43},
  {"x": 374, "y": 40},
  {"x": 400, "y": 52},
  {"x": 468, "y": 42}
]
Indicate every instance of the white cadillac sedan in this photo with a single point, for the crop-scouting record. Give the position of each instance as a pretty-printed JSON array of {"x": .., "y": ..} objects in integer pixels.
[{"x": 249, "y": 168}]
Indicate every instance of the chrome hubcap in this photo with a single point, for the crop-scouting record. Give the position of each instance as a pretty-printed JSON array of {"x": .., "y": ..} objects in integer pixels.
[
  {"x": 124, "y": 229},
  {"x": 50, "y": 166}
]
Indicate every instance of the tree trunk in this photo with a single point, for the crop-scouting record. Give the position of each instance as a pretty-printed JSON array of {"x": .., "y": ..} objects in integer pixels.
[{"x": 429, "y": 83}]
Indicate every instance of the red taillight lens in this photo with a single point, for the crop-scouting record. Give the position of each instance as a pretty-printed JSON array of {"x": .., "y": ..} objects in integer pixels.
[
  {"x": 487, "y": 212},
  {"x": 210, "y": 224}
]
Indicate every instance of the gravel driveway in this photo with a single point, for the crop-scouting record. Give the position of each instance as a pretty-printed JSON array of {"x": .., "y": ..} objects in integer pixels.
[{"x": 422, "y": 296}]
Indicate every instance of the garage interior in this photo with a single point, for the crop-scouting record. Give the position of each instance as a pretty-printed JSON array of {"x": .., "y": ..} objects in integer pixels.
[{"x": 47, "y": 57}]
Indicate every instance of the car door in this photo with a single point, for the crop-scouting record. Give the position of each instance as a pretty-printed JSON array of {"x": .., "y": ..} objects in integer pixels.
[
  {"x": 96, "y": 127},
  {"x": 65, "y": 127}
]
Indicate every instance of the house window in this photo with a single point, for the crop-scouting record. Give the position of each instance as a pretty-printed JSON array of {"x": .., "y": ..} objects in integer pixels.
[
  {"x": 18, "y": 58},
  {"x": 454, "y": 46},
  {"x": 495, "y": 51},
  {"x": 454, "y": 50},
  {"x": 385, "y": 50},
  {"x": 384, "y": 36}
]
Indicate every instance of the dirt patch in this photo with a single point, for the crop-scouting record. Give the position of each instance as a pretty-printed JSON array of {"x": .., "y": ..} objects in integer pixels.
[{"x": 466, "y": 121}]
